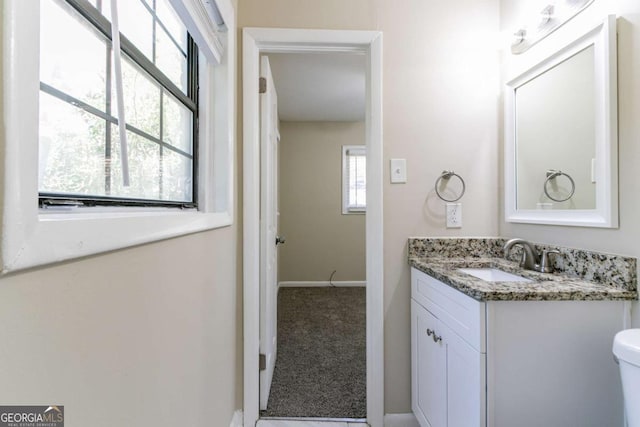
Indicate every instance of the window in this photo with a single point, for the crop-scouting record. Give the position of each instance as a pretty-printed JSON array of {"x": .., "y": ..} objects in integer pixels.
[
  {"x": 354, "y": 179},
  {"x": 61, "y": 137},
  {"x": 83, "y": 156}
]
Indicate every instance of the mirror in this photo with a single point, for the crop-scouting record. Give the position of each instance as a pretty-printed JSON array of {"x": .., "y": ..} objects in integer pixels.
[{"x": 561, "y": 135}]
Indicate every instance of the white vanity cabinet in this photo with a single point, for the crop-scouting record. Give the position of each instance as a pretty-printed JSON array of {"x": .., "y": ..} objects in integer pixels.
[
  {"x": 448, "y": 371},
  {"x": 512, "y": 363}
]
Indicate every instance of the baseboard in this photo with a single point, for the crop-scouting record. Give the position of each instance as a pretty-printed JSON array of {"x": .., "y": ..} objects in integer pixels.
[
  {"x": 237, "y": 419},
  {"x": 400, "y": 420},
  {"x": 312, "y": 284}
]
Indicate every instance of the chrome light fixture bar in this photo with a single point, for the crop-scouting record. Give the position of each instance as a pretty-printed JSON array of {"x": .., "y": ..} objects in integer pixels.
[{"x": 551, "y": 17}]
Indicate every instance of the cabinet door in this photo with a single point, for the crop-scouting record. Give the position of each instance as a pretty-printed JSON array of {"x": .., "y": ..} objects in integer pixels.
[
  {"x": 465, "y": 381},
  {"x": 429, "y": 370}
]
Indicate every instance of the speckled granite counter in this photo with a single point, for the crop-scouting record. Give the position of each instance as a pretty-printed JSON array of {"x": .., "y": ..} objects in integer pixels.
[{"x": 579, "y": 275}]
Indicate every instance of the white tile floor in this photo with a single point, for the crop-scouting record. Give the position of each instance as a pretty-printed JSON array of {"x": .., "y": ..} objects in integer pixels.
[{"x": 302, "y": 423}]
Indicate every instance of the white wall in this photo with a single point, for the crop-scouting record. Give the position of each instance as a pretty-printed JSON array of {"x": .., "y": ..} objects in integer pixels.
[
  {"x": 319, "y": 238},
  {"x": 140, "y": 337},
  {"x": 440, "y": 112},
  {"x": 625, "y": 239}
]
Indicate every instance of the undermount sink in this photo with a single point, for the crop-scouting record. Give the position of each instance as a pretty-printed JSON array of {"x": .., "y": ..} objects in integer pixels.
[{"x": 493, "y": 275}]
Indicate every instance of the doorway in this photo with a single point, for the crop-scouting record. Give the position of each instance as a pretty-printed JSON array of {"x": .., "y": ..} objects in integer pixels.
[
  {"x": 320, "y": 368},
  {"x": 258, "y": 41}
]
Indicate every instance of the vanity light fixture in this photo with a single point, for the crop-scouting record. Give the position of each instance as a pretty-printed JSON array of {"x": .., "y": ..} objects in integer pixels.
[
  {"x": 520, "y": 37},
  {"x": 546, "y": 15},
  {"x": 551, "y": 17}
]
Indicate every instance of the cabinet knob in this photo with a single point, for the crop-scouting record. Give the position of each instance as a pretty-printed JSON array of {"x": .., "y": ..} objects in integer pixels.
[{"x": 433, "y": 335}]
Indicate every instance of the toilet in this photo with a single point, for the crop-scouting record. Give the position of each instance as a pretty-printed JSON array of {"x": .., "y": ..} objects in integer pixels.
[{"x": 626, "y": 348}]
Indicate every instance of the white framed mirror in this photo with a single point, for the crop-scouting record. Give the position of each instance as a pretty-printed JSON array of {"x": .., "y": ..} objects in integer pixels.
[{"x": 561, "y": 136}]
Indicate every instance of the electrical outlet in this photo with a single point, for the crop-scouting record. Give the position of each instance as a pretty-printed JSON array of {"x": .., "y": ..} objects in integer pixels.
[{"x": 454, "y": 215}]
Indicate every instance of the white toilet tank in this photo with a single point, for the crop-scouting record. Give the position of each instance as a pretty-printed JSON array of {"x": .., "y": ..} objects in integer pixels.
[{"x": 626, "y": 348}]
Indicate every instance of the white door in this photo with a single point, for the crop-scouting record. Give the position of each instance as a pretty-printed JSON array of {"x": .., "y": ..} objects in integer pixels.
[{"x": 269, "y": 137}]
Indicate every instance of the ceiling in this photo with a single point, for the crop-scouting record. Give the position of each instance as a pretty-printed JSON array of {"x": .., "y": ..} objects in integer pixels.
[{"x": 319, "y": 86}]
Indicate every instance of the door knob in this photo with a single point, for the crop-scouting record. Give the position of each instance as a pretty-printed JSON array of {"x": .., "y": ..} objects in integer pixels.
[{"x": 280, "y": 240}]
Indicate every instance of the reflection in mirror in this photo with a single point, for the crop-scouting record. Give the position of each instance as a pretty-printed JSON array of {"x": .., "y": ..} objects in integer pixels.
[{"x": 555, "y": 131}]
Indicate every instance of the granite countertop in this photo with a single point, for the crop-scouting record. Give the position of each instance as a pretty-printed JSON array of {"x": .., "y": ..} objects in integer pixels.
[{"x": 545, "y": 286}]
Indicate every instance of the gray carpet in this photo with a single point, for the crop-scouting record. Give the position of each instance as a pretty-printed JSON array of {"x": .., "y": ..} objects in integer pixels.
[{"x": 321, "y": 365}]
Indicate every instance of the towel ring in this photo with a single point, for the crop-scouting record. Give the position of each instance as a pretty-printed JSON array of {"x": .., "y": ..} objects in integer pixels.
[
  {"x": 446, "y": 175},
  {"x": 552, "y": 174}
]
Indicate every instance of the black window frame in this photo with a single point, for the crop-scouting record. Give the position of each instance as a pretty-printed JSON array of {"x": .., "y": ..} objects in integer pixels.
[{"x": 190, "y": 100}]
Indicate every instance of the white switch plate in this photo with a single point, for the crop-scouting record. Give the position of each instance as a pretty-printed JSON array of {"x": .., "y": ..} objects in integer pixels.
[
  {"x": 398, "y": 171},
  {"x": 454, "y": 215}
]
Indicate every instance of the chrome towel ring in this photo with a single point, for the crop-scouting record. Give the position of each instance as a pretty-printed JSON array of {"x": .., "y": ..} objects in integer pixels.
[
  {"x": 553, "y": 174},
  {"x": 446, "y": 175}
]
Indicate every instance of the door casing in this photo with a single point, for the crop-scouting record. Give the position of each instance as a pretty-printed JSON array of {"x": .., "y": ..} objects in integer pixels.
[{"x": 269, "y": 40}]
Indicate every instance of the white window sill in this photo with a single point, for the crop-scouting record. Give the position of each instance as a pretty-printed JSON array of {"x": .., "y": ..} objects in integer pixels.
[
  {"x": 354, "y": 212},
  {"x": 56, "y": 237}
]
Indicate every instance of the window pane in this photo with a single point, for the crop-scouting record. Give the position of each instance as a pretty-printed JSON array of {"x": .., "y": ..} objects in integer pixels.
[
  {"x": 176, "y": 176},
  {"x": 136, "y": 23},
  {"x": 77, "y": 154},
  {"x": 144, "y": 167},
  {"x": 73, "y": 56},
  {"x": 177, "y": 124},
  {"x": 71, "y": 150},
  {"x": 357, "y": 181},
  {"x": 170, "y": 60},
  {"x": 141, "y": 99},
  {"x": 172, "y": 23}
]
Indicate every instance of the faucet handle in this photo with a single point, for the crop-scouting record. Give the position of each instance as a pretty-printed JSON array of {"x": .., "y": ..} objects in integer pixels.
[
  {"x": 523, "y": 258},
  {"x": 545, "y": 260}
]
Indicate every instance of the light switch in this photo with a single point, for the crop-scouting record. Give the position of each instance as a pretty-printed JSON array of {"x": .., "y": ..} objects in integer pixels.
[{"x": 398, "y": 171}]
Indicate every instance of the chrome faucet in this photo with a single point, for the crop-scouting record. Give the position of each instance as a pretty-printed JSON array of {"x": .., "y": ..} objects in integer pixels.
[{"x": 531, "y": 259}]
